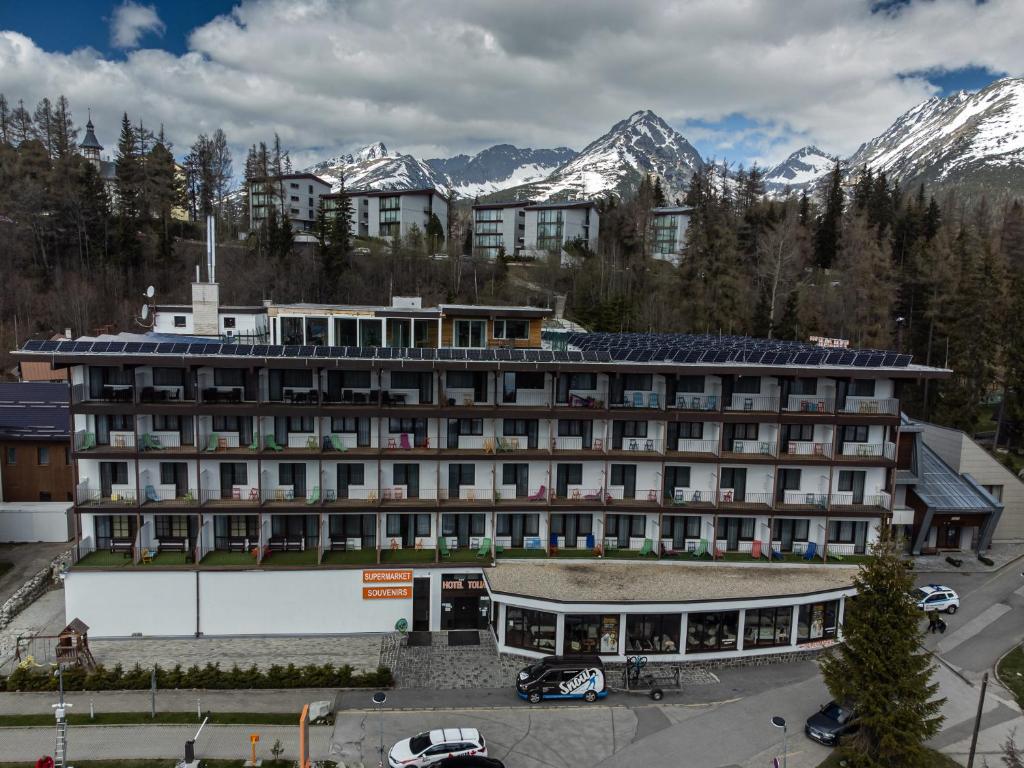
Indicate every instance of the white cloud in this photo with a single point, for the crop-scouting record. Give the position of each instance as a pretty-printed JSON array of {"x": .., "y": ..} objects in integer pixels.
[
  {"x": 131, "y": 21},
  {"x": 460, "y": 75}
]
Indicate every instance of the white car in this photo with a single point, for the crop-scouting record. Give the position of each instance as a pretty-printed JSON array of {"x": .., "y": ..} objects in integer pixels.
[
  {"x": 433, "y": 746},
  {"x": 936, "y": 597}
]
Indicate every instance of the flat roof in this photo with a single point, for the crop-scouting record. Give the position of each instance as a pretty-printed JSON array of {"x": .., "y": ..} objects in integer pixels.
[
  {"x": 505, "y": 204},
  {"x": 563, "y": 204},
  {"x": 288, "y": 176},
  {"x": 660, "y": 582},
  {"x": 673, "y": 209},
  {"x": 390, "y": 192}
]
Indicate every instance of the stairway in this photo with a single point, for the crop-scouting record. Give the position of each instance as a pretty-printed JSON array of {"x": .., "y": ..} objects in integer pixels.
[{"x": 60, "y": 752}]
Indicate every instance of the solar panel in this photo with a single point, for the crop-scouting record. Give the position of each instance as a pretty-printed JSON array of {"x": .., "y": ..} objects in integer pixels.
[
  {"x": 904, "y": 360},
  {"x": 307, "y": 351},
  {"x": 848, "y": 358},
  {"x": 429, "y": 353},
  {"x": 179, "y": 349},
  {"x": 517, "y": 354},
  {"x": 503, "y": 354},
  {"x": 290, "y": 350},
  {"x": 260, "y": 350},
  {"x": 473, "y": 354},
  {"x": 100, "y": 346},
  {"x": 147, "y": 348},
  {"x": 444, "y": 354},
  {"x": 875, "y": 359}
]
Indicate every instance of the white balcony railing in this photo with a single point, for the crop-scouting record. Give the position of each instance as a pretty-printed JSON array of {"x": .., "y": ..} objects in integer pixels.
[
  {"x": 567, "y": 443},
  {"x": 889, "y": 406},
  {"x": 690, "y": 402},
  {"x": 810, "y": 404},
  {"x": 870, "y": 450},
  {"x": 686, "y": 445},
  {"x": 800, "y": 448},
  {"x": 760, "y": 403},
  {"x": 758, "y": 447}
]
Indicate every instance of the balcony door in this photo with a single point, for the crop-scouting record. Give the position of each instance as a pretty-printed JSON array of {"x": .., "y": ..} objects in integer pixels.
[
  {"x": 349, "y": 474},
  {"x": 517, "y": 475},
  {"x": 625, "y": 475},
  {"x": 409, "y": 476},
  {"x": 567, "y": 474},
  {"x": 293, "y": 474},
  {"x": 852, "y": 481},
  {"x": 175, "y": 473},
  {"x": 735, "y": 479},
  {"x": 112, "y": 473}
]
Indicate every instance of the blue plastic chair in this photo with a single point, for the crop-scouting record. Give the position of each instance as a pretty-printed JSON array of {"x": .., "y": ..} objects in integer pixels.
[
  {"x": 638, "y": 399},
  {"x": 812, "y": 550},
  {"x": 590, "y": 541},
  {"x": 652, "y": 400}
]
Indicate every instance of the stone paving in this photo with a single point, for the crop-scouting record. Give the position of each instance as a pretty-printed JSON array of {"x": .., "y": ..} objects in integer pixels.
[{"x": 1000, "y": 554}]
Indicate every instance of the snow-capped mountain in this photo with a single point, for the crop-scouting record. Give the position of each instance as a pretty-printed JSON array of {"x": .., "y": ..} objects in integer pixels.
[
  {"x": 499, "y": 167},
  {"x": 975, "y": 139},
  {"x": 373, "y": 167},
  {"x": 643, "y": 143},
  {"x": 800, "y": 171}
]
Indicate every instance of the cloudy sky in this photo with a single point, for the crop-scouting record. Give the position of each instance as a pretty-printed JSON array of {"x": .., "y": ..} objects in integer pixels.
[{"x": 747, "y": 80}]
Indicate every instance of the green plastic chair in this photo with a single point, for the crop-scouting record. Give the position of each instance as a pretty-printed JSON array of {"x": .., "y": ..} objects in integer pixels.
[
  {"x": 271, "y": 444},
  {"x": 314, "y": 495},
  {"x": 485, "y": 548},
  {"x": 834, "y": 553},
  {"x": 442, "y": 546},
  {"x": 338, "y": 444},
  {"x": 150, "y": 442},
  {"x": 702, "y": 548},
  {"x": 647, "y": 548},
  {"x": 213, "y": 442},
  {"x": 255, "y": 444},
  {"x": 88, "y": 441}
]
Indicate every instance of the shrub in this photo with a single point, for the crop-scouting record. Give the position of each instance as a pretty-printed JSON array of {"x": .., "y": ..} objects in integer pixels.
[{"x": 209, "y": 677}]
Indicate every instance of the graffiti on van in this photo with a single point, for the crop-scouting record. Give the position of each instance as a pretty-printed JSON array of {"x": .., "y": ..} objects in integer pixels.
[{"x": 586, "y": 680}]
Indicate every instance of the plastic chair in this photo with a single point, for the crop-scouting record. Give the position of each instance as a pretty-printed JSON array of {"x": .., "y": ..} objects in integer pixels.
[
  {"x": 212, "y": 442},
  {"x": 811, "y": 551},
  {"x": 314, "y": 495},
  {"x": 88, "y": 441},
  {"x": 539, "y": 495},
  {"x": 338, "y": 444},
  {"x": 271, "y": 444},
  {"x": 647, "y": 548},
  {"x": 147, "y": 555},
  {"x": 404, "y": 441},
  {"x": 151, "y": 494},
  {"x": 638, "y": 399},
  {"x": 485, "y": 548},
  {"x": 701, "y": 549},
  {"x": 442, "y": 546},
  {"x": 755, "y": 549},
  {"x": 652, "y": 400}
]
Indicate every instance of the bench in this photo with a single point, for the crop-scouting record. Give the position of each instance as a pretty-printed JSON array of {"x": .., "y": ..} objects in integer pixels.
[
  {"x": 238, "y": 545},
  {"x": 173, "y": 545},
  {"x": 124, "y": 546},
  {"x": 285, "y": 544}
]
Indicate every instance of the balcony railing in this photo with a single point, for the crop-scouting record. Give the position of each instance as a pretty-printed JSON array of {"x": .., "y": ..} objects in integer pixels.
[
  {"x": 110, "y": 393},
  {"x": 631, "y": 399},
  {"x": 465, "y": 493},
  {"x": 682, "y": 497},
  {"x": 567, "y": 443},
  {"x": 888, "y": 406},
  {"x": 810, "y": 404},
  {"x": 869, "y": 450},
  {"x": 352, "y": 493},
  {"x": 465, "y": 398},
  {"x": 687, "y": 402},
  {"x": 86, "y": 494},
  {"x": 589, "y": 398},
  {"x": 164, "y": 394},
  {"x": 845, "y": 499},
  {"x": 221, "y": 395},
  {"x": 158, "y": 441},
  {"x": 687, "y": 445},
  {"x": 536, "y": 398},
  {"x": 581, "y": 495},
  {"x": 617, "y": 493},
  {"x": 639, "y": 445},
  {"x": 753, "y": 447},
  {"x": 801, "y": 448},
  {"x": 169, "y": 496},
  {"x": 754, "y": 403},
  {"x": 729, "y": 497},
  {"x": 803, "y": 500}
]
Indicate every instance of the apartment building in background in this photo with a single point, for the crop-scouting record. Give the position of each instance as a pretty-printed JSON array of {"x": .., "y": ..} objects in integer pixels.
[
  {"x": 668, "y": 228},
  {"x": 439, "y": 465},
  {"x": 551, "y": 225},
  {"x": 295, "y": 195},
  {"x": 499, "y": 228}
]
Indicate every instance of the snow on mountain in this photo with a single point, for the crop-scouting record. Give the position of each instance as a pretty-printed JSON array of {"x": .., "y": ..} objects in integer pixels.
[
  {"x": 800, "y": 171},
  {"x": 641, "y": 144},
  {"x": 373, "y": 167},
  {"x": 971, "y": 138},
  {"x": 499, "y": 167}
]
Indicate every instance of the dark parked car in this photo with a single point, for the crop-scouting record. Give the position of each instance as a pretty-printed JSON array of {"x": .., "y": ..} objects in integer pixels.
[
  {"x": 470, "y": 761},
  {"x": 831, "y": 724}
]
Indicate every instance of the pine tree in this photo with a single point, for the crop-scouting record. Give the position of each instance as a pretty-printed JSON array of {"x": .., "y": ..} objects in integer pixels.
[
  {"x": 658, "y": 193},
  {"x": 65, "y": 135},
  {"x": 44, "y": 128},
  {"x": 881, "y": 669},
  {"x": 826, "y": 239},
  {"x": 21, "y": 128},
  {"x": 434, "y": 240},
  {"x": 5, "y": 121}
]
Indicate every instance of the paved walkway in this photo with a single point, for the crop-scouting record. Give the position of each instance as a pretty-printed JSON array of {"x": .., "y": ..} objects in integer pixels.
[
  {"x": 44, "y": 617},
  {"x": 290, "y": 700},
  {"x": 1000, "y": 554}
]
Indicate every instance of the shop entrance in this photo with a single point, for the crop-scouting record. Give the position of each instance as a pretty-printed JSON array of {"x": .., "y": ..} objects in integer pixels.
[
  {"x": 421, "y": 605},
  {"x": 464, "y": 601}
]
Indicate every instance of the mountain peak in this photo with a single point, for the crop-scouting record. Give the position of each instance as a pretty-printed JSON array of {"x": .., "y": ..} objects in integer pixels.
[
  {"x": 373, "y": 151},
  {"x": 800, "y": 171}
]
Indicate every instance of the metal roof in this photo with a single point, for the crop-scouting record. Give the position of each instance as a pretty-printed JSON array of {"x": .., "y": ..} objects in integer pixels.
[
  {"x": 34, "y": 410},
  {"x": 943, "y": 489}
]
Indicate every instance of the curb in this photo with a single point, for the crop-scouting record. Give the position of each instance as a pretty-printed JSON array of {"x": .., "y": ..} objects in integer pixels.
[{"x": 995, "y": 674}]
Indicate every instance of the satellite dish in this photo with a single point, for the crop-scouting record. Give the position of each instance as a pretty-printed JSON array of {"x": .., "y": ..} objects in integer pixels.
[
  {"x": 150, "y": 291},
  {"x": 145, "y": 311}
]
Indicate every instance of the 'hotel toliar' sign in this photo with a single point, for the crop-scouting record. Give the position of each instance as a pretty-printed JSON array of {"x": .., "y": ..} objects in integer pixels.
[{"x": 385, "y": 578}]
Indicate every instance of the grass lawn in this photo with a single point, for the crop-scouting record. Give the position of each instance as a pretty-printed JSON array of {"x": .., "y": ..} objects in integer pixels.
[
  {"x": 936, "y": 760},
  {"x": 172, "y": 558},
  {"x": 519, "y": 552},
  {"x": 219, "y": 557},
  {"x": 162, "y": 718},
  {"x": 1011, "y": 672},
  {"x": 350, "y": 557},
  {"x": 626, "y": 554},
  {"x": 407, "y": 555},
  {"x": 104, "y": 559},
  {"x": 575, "y": 553},
  {"x": 464, "y": 555},
  {"x": 276, "y": 559}
]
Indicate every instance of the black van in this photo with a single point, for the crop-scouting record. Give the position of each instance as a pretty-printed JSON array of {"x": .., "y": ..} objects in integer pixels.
[{"x": 562, "y": 677}]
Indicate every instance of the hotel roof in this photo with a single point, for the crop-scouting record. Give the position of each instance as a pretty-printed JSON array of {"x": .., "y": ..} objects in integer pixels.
[
  {"x": 943, "y": 489},
  {"x": 660, "y": 582},
  {"x": 31, "y": 411},
  {"x": 562, "y": 204}
]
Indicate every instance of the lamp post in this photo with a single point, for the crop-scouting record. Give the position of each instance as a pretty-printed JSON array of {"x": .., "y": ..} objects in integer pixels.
[
  {"x": 779, "y": 722},
  {"x": 379, "y": 698}
]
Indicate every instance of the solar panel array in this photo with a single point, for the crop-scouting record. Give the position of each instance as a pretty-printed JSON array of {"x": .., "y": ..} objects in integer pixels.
[
  {"x": 591, "y": 348},
  {"x": 694, "y": 348}
]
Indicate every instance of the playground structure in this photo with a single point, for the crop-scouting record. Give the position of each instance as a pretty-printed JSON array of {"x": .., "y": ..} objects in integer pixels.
[{"x": 69, "y": 648}]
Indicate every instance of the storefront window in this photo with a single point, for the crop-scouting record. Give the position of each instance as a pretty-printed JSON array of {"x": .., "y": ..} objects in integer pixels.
[
  {"x": 593, "y": 633},
  {"x": 529, "y": 630},
  {"x": 817, "y": 621},
  {"x": 767, "y": 627},
  {"x": 707, "y": 632},
  {"x": 652, "y": 633}
]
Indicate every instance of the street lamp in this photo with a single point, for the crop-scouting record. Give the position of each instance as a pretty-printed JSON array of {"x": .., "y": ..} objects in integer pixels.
[
  {"x": 779, "y": 722},
  {"x": 379, "y": 698}
]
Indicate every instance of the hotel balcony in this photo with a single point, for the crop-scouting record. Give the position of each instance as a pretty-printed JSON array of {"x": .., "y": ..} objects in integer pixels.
[
  {"x": 686, "y": 447},
  {"x": 634, "y": 445},
  {"x": 161, "y": 495},
  {"x": 889, "y": 406},
  {"x": 117, "y": 495},
  {"x": 697, "y": 498},
  {"x": 729, "y": 498},
  {"x": 867, "y": 451},
  {"x": 808, "y": 450},
  {"x": 745, "y": 449},
  {"x": 804, "y": 501},
  {"x": 640, "y": 400},
  {"x": 810, "y": 404},
  {"x": 845, "y": 502},
  {"x": 689, "y": 402},
  {"x": 753, "y": 403}
]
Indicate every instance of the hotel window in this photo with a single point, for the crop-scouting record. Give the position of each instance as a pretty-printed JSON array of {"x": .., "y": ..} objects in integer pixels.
[
  {"x": 849, "y": 532},
  {"x": 767, "y": 627},
  {"x": 651, "y": 633},
  {"x": 489, "y": 214},
  {"x": 477, "y": 525},
  {"x": 512, "y": 329},
  {"x": 799, "y": 432},
  {"x": 295, "y": 198},
  {"x": 676, "y": 477},
  {"x": 228, "y": 377},
  {"x": 291, "y": 330},
  {"x": 740, "y": 432},
  {"x": 592, "y": 633},
  {"x": 488, "y": 227},
  {"x": 399, "y": 334},
  {"x": 371, "y": 333},
  {"x": 171, "y": 526},
  {"x": 642, "y": 382},
  {"x": 995, "y": 491},
  {"x": 45, "y": 496},
  {"x": 470, "y": 333},
  {"x": 120, "y": 526},
  {"x": 862, "y": 388},
  {"x": 691, "y": 430},
  {"x": 300, "y": 424},
  {"x": 745, "y": 526},
  {"x": 316, "y": 330},
  {"x": 179, "y": 321},
  {"x": 468, "y": 426},
  {"x": 42, "y": 455},
  {"x": 665, "y": 234},
  {"x": 690, "y": 384},
  {"x": 507, "y": 523},
  {"x": 229, "y": 322},
  {"x": 708, "y": 632},
  {"x": 817, "y": 621},
  {"x": 346, "y": 332},
  {"x": 530, "y": 630},
  {"x": 173, "y": 423},
  {"x": 747, "y": 385},
  {"x": 294, "y": 185},
  {"x": 355, "y": 379},
  {"x": 804, "y": 386},
  {"x": 855, "y": 433}
]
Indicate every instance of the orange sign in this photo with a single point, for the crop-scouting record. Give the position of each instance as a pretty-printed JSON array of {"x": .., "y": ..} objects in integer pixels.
[
  {"x": 386, "y": 577},
  {"x": 387, "y": 593}
]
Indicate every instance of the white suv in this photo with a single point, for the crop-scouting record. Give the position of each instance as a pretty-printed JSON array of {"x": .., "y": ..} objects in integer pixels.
[
  {"x": 936, "y": 597},
  {"x": 433, "y": 746}
]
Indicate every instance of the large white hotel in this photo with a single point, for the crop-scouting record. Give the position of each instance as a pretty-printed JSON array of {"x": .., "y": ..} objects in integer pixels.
[{"x": 463, "y": 467}]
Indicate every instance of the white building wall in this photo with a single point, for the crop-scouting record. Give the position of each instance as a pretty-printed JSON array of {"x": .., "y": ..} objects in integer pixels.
[
  {"x": 35, "y": 521},
  {"x": 159, "y": 603}
]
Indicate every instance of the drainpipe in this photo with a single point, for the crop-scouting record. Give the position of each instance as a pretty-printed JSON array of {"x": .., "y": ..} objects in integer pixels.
[{"x": 198, "y": 629}]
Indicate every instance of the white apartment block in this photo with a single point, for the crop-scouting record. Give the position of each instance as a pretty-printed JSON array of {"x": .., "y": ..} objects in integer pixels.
[
  {"x": 499, "y": 228},
  {"x": 669, "y": 225},
  {"x": 294, "y": 195},
  {"x": 552, "y": 225}
]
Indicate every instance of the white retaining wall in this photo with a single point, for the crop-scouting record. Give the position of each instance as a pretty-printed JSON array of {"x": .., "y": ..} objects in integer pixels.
[{"x": 35, "y": 521}]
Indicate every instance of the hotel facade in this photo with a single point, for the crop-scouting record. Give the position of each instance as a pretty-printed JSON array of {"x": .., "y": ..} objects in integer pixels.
[{"x": 438, "y": 467}]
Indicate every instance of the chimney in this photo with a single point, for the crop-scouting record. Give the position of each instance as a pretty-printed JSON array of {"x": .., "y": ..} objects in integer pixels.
[
  {"x": 67, "y": 333},
  {"x": 206, "y": 309}
]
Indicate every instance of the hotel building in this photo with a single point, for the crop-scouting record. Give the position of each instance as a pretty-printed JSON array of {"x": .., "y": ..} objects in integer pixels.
[{"x": 436, "y": 465}]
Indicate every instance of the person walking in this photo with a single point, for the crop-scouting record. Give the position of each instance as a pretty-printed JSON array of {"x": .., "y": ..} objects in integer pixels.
[{"x": 933, "y": 622}]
